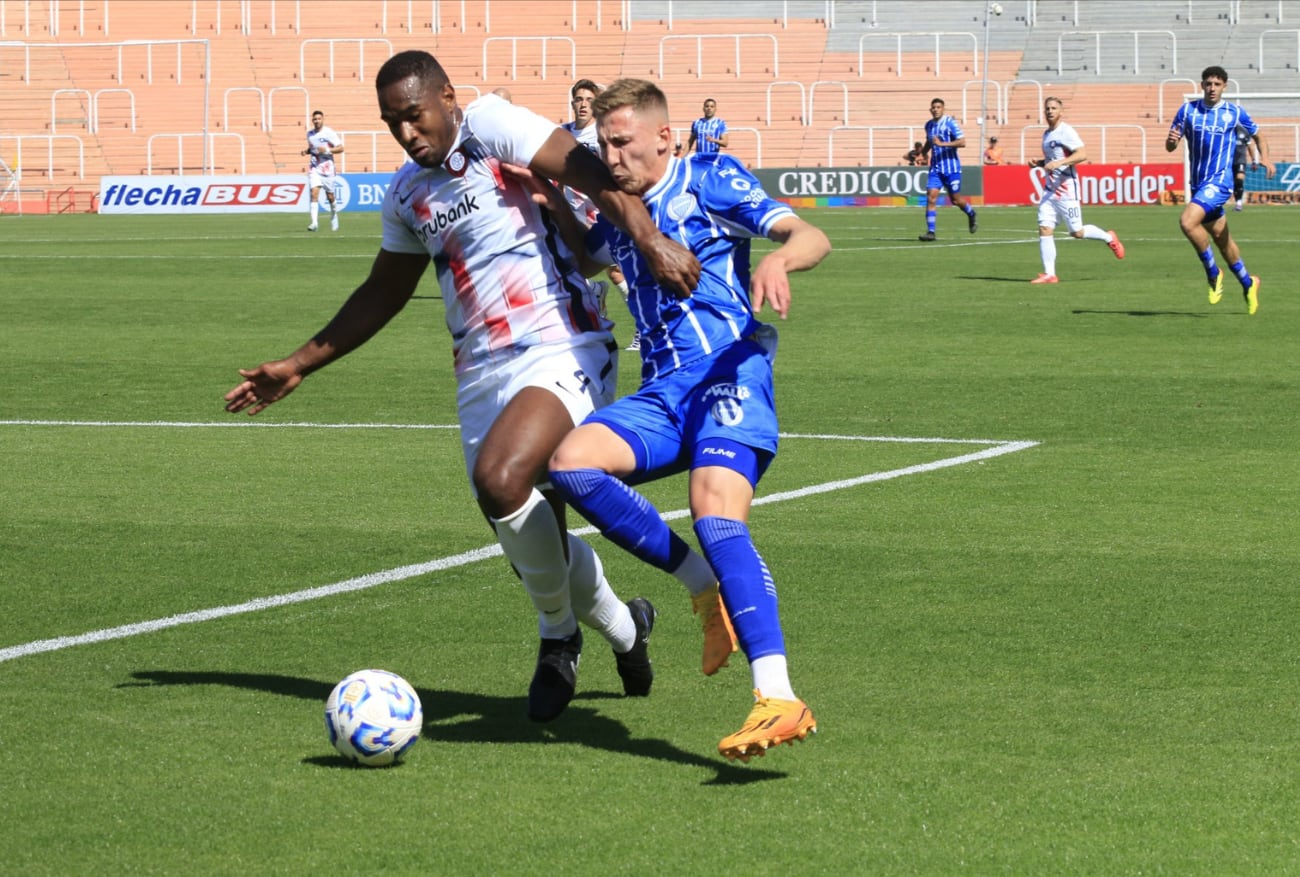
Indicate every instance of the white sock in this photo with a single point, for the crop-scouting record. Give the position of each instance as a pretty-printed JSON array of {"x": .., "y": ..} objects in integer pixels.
[
  {"x": 772, "y": 678},
  {"x": 622, "y": 287},
  {"x": 1047, "y": 246},
  {"x": 695, "y": 573},
  {"x": 530, "y": 537},
  {"x": 315, "y": 210},
  {"x": 594, "y": 601},
  {"x": 1093, "y": 233}
]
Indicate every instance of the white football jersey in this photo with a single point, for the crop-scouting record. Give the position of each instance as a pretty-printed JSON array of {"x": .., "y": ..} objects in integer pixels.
[
  {"x": 583, "y": 207},
  {"x": 325, "y": 138},
  {"x": 1058, "y": 143},
  {"x": 508, "y": 280}
]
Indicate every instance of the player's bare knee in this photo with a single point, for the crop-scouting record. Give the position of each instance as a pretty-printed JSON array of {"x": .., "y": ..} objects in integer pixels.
[{"x": 501, "y": 486}]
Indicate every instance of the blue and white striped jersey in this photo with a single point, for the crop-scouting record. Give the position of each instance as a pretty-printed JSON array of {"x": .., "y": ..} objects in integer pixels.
[
  {"x": 703, "y": 129},
  {"x": 1211, "y": 138},
  {"x": 713, "y": 206},
  {"x": 944, "y": 159}
]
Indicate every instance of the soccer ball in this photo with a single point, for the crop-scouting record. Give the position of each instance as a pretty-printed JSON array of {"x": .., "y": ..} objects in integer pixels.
[
  {"x": 996, "y": 8},
  {"x": 373, "y": 717}
]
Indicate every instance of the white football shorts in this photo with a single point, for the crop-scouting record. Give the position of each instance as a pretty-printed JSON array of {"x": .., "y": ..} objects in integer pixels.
[
  {"x": 1054, "y": 210},
  {"x": 581, "y": 373},
  {"x": 322, "y": 176}
]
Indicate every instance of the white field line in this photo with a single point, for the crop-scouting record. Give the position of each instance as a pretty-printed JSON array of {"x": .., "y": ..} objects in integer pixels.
[{"x": 994, "y": 448}]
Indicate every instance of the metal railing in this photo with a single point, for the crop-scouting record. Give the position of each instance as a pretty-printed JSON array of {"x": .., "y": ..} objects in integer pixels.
[
  {"x": 49, "y": 140},
  {"x": 361, "y": 53},
  {"x": 208, "y": 141},
  {"x": 514, "y": 52},
  {"x": 871, "y": 139},
  {"x": 938, "y": 35},
  {"x": 1098, "y": 34},
  {"x": 735, "y": 38}
]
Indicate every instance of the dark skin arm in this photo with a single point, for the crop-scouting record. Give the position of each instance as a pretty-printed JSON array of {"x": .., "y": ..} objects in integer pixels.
[
  {"x": 563, "y": 159},
  {"x": 392, "y": 281}
]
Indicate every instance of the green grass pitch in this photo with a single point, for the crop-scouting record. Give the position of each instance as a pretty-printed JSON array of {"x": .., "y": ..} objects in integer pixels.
[{"x": 1077, "y": 655}]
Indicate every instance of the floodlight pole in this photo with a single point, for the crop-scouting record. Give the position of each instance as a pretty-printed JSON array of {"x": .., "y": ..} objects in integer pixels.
[{"x": 984, "y": 90}]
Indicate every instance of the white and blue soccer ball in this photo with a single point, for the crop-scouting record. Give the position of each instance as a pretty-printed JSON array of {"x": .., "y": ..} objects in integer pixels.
[{"x": 373, "y": 717}]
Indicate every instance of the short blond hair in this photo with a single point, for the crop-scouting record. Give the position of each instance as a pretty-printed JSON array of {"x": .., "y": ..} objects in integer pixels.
[{"x": 639, "y": 94}]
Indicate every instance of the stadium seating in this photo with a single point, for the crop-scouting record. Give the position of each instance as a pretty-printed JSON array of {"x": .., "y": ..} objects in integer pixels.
[{"x": 802, "y": 82}]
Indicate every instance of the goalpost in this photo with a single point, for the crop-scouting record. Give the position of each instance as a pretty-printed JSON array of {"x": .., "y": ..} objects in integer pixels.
[{"x": 9, "y": 181}]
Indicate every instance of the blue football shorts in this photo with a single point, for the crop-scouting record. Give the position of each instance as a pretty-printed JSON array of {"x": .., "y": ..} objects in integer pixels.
[{"x": 717, "y": 411}]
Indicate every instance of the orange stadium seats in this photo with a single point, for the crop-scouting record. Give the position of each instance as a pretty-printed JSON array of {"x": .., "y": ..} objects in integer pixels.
[{"x": 82, "y": 95}]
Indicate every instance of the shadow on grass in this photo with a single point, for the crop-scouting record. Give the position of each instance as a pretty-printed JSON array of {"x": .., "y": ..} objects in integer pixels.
[
  {"x": 1141, "y": 313},
  {"x": 463, "y": 717}
]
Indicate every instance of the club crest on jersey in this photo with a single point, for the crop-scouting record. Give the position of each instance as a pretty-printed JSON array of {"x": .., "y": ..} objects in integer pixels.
[
  {"x": 681, "y": 206},
  {"x": 727, "y": 410},
  {"x": 457, "y": 162}
]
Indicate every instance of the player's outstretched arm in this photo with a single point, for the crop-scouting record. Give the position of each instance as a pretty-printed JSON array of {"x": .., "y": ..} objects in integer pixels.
[
  {"x": 803, "y": 245},
  {"x": 392, "y": 281},
  {"x": 562, "y": 158}
]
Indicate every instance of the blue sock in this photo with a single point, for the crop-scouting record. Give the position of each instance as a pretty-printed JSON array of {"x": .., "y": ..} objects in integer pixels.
[
  {"x": 746, "y": 585},
  {"x": 1211, "y": 269},
  {"x": 1239, "y": 268},
  {"x": 968, "y": 210},
  {"x": 929, "y": 220},
  {"x": 624, "y": 516}
]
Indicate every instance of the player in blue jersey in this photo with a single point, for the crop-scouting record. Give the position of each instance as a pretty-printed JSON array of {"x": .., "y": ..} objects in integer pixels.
[
  {"x": 709, "y": 132},
  {"x": 1209, "y": 126},
  {"x": 705, "y": 404},
  {"x": 943, "y": 137}
]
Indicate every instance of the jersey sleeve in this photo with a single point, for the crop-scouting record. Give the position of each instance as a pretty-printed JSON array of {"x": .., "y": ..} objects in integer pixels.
[
  {"x": 1245, "y": 121},
  {"x": 1180, "y": 119},
  {"x": 397, "y": 235},
  {"x": 954, "y": 130},
  {"x": 732, "y": 194},
  {"x": 1071, "y": 141},
  {"x": 598, "y": 240},
  {"x": 512, "y": 133}
]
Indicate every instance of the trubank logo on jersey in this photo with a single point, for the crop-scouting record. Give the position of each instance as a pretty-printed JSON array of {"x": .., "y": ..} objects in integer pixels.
[{"x": 441, "y": 219}]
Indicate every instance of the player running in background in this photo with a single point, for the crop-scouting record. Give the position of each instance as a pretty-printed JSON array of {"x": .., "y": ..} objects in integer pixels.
[
  {"x": 583, "y": 129},
  {"x": 709, "y": 132},
  {"x": 532, "y": 353},
  {"x": 943, "y": 137},
  {"x": 1242, "y": 156},
  {"x": 1209, "y": 127},
  {"x": 323, "y": 143},
  {"x": 705, "y": 404},
  {"x": 1062, "y": 150}
]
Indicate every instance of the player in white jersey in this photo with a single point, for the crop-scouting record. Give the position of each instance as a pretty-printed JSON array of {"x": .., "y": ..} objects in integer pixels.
[
  {"x": 1062, "y": 151},
  {"x": 532, "y": 353},
  {"x": 323, "y": 143},
  {"x": 1210, "y": 127},
  {"x": 583, "y": 128}
]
